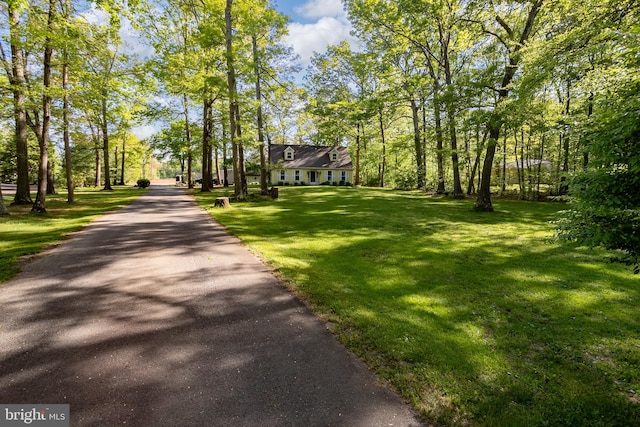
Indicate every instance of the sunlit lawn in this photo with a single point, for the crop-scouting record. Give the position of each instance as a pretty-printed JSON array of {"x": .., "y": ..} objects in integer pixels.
[
  {"x": 23, "y": 233},
  {"x": 474, "y": 318}
]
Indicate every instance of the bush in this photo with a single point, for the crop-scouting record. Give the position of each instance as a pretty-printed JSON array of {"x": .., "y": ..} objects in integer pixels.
[{"x": 143, "y": 183}]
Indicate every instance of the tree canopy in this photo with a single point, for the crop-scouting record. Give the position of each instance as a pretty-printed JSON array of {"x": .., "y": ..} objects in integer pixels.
[{"x": 530, "y": 98}]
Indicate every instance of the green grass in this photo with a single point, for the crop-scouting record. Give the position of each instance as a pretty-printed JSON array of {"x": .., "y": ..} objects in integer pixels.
[
  {"x": 476, "y": 319},
  {"x": 23, "y": 233}
]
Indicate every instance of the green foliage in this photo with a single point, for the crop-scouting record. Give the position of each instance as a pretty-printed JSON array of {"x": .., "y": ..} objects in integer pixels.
[
  {"x": 477, "y": 319},
  {"x": 605, "y": 208}
]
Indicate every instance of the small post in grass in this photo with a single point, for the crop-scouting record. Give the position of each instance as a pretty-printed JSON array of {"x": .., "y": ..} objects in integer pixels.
[
  {"x": 273, "y": 192},
  {"x": 221, "y": 202}
]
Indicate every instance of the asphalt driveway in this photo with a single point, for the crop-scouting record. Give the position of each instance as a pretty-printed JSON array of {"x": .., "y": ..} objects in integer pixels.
[{"x": 155, "y": 316}]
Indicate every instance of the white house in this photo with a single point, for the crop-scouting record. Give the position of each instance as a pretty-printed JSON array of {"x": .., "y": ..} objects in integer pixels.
[{"x": 309, "y": 164}]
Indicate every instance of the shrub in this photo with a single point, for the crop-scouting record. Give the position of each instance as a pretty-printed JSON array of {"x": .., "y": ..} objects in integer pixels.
[{"x": 143, "y": 183}]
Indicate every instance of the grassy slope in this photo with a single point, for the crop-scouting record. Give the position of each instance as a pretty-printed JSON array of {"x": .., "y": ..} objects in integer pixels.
[
  {"x": 475, "y": 318},
  {"x": 22, "y": 233}
]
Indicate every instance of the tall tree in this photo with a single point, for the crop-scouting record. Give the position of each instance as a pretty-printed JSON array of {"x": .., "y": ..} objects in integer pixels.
[
  {"x": 513, "y": 42},
  {"x": 65, "y": 128},
  {"x": 239, "y": 177},
  {"x": 15, "y": 70},
  {"x": 260, "y": 123},
  {"x": 39, "y": 205}
]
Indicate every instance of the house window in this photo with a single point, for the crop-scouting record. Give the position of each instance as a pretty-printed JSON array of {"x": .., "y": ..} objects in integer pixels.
[
  {"x": 297, "y": 176},
  {"x": 343, "y": 176},
  {"x": 330, "y": 176},
  {"x": 283, "y": 175},
  {"x": 288, "y": 153},
  {"x": 334, "y": 155}
]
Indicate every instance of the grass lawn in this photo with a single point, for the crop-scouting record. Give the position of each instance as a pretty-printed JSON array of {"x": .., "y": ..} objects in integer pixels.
[
  {"x": 23, "y": 233},
  {"x": 475, "y": 318}
]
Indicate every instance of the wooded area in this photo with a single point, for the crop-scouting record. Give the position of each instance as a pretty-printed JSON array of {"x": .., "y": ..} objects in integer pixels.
[{"x": 465, "y": 98}]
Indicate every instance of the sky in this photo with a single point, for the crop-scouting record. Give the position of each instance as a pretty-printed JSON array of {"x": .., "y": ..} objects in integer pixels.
[{"x": 313, "y": 25}]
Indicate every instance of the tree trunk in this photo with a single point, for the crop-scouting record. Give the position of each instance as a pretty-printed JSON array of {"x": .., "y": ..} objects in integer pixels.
[
  {"x": 95, "y": 136},
  {"x": 383, "y": 166},
  {"x": 187, "y": 132},
  {"x": 519, "y": 162},
  {"x": 181, "y": 168},
  {"x": 234, "y": 116},
  {"x": 439, "y": 140},
  {"x": 65, "y": 129},
  {"x": 189, "y": 168},
  {"x": 242, "y": 172},
  {"x": 225, "y": 168},
  {"x": 3, "y": 208},
  {"x": 504, "y": 164},
  {"x": 542, "y": 141},
  {"x": 23, "y": 190},
  {"x": 51, "y": 184},
  {"x": 98, "y": 166},
  {"x": 476, "y": 163},
  {"x": 264, "y": 184},
  {"x": 585, "y": 154},
  {"x": 122, "y": 158},
  {"x": 115, "y": 164},
  {"x": 417, "y": 141},
  {"x": 206, "y": 145},
  {"x": 357, "y": 170},
  {"x": 564, "y": 186},
  {"x": 483, "y": 202},
  {"x": 423, "y": 107},
  {"x": 105, "y": 143},
  {"x": 39, "y": 205},
  {"x": 451, "y": 120}
]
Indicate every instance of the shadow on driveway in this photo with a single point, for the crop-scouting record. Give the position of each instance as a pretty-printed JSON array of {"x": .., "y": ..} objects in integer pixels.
[{"x": 154, "y": 316}]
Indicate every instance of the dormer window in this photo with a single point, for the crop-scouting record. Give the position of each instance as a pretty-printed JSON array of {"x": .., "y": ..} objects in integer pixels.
[
  {"x": 333, "y": 155},
  {"x": 289, "y": 153}
]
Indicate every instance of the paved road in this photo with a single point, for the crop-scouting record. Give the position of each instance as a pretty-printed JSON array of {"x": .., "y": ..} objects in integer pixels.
[{"x": 154, "y": 316}]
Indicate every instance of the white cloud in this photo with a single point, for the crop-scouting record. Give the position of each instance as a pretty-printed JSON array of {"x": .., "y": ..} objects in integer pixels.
[
  {"x": 144, "y": 131},
  {"x": 322, "y": 8},
  {"x": 134, "y": 43},
  {"x": 331, "y": 28}
]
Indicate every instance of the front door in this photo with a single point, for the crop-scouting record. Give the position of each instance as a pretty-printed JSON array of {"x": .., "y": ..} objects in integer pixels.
[{"x": 313, "y": 178}]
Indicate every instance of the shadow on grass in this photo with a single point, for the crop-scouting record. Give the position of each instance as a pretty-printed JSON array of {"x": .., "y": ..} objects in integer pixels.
[
  {"x": 107, "y": 325},
  {"x": 24, "y": 234},
  {"x": 474, "y": 317}
]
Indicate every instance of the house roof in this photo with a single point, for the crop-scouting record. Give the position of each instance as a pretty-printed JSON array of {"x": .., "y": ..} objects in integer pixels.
[{"x": 311, "y": 156}]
